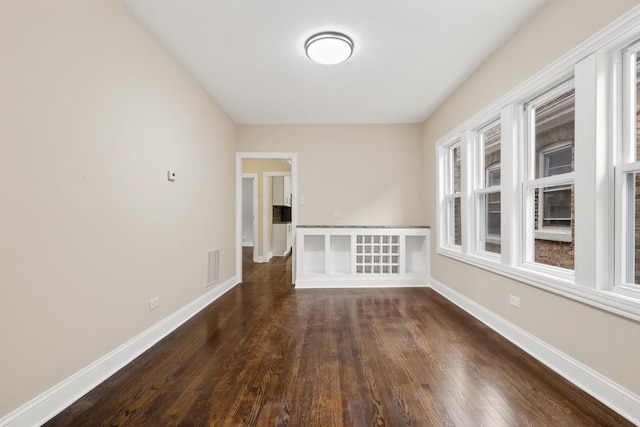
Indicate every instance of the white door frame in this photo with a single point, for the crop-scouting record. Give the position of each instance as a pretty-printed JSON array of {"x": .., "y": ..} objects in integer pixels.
[
  {"x": 254, "y": 178},
  {"x": 293, "y": 158}
]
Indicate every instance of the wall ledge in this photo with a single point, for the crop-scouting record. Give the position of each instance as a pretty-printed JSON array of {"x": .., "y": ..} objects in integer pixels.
[
  {"x": 53, "y": 401},
  {"x": 351, "y": 283},
  {"x": 621, "y": 400}
]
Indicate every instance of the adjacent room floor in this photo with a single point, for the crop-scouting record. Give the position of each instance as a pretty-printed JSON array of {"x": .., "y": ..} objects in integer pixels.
[{"x": 265, "y": 354}]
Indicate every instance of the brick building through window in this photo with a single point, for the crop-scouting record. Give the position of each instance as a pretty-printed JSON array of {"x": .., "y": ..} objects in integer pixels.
[{"x": 554, "y": 211}]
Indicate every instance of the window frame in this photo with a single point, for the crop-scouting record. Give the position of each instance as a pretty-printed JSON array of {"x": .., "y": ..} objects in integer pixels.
[
  {"x": 451, "y": 195},
  {"x": 627, "y": 165},
  {"x": 532, "y": 184},
  {"x": 482, "y": 190}
]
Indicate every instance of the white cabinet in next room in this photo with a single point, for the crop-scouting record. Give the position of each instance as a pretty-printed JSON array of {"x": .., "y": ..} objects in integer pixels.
[
  {"x": 281, "y": 239},
  {"x": 281, "y": 190}
]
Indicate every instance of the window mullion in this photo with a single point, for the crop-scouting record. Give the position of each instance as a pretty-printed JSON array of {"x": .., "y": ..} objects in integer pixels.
[
  {"x": 594, "y": 251},
  {"x": 510, "y": 218}
]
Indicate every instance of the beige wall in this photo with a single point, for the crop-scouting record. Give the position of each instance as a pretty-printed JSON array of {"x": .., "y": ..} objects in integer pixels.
[
  {"x": 607, "y": 343},
  {"x": 92, "y": 114},
  {"x": 371, "y": 174},
  {"x": 260, "y": 167}
]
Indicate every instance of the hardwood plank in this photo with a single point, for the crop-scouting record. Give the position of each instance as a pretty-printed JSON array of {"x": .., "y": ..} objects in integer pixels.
[{"x": 265, "y": 354}]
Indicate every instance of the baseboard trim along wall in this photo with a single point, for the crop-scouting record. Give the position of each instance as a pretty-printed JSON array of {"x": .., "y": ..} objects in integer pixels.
[
  {"x": 608, "y": 392},
  {"x": 54, "y": 400}
]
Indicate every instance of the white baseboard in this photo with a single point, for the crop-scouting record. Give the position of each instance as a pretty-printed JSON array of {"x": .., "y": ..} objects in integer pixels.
[
  {"x": 621, "y": 400},
  {"x": 262, "y": 259},
  {"x": 54, "y": 400}
]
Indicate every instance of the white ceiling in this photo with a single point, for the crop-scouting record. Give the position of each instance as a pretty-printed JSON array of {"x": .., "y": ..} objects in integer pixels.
[{"x": 409, "y": 55}]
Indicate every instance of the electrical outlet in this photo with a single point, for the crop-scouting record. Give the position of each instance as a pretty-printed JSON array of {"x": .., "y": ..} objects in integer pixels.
[
  {"x": 154, "y": 303},
  {"x": 514, "y": 301},
  {"x": 337, "y": 214}
]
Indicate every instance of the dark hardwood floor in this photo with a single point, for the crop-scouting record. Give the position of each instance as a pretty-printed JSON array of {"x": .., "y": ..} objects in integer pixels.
[{"x": 265, "y": 354}]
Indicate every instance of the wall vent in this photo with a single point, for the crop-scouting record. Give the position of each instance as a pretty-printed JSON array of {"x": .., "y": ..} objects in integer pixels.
[{"x": 213, "y": 266}]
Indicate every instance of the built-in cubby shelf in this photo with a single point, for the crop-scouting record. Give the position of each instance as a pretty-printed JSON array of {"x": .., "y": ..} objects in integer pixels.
[
  {"x": 377, "y": 254},
  {"x": 361, "y": 256}
]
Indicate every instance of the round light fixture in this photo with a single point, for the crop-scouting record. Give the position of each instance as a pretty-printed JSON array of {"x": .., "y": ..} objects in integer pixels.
[{"x": 328, "y": 48}]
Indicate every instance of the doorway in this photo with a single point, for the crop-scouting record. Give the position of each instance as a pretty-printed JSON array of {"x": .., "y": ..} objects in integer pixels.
[{"x": 261, "y": 236}]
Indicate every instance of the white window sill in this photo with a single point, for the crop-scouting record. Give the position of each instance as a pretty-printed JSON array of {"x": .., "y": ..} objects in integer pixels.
[{"x": 554, "y": 235}]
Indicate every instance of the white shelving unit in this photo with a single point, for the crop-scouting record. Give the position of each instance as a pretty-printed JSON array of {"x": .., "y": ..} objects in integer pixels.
[{"x": 361, "y": 257}]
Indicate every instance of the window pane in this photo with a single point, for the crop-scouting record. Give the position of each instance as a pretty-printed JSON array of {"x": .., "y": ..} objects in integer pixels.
[
  {"x": 557, "y": 162},
  {"x": 490, "y": 139},
  {"x": 490, "y": 233},
  {"x": 493, "y": 177},
  {"x": 634, "y": 232},
  {"x": 637, "y": 104},
  {"x": 554, "y": 135},
  {"x": 454, "y": 206},
  {"x": 554, "y": 218},
  {"x": 632, "y": 220},
  {"x": 557, "y": 207},
  {"x": 457, "y": 222},
  {"x": 454, "y": 226},
  {"x": 457, "y": 170}
]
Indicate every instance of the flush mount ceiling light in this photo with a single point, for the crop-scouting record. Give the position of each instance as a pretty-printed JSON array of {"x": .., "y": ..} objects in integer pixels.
[{"x": 328, "y": 48}]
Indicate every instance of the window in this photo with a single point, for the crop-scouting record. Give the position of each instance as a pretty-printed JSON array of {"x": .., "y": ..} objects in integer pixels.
[
  {"x": 488, "y": 192},
  {"x": 493, "y": 174},
  {"x": 512, "y": 177},
  {"x": 629, "y": 171},
  {"x": 556, "y": 160},
  {"x": 453, "y": 195},
  {"x": 549, "y": 189},
  {"x": 555, "y": 203}
]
